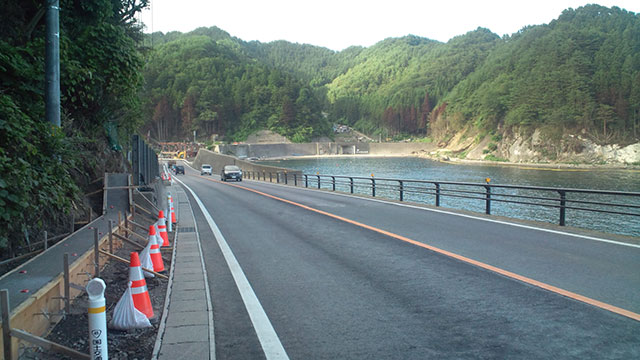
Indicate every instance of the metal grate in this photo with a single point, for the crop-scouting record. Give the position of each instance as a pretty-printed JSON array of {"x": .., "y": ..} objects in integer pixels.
[{"x": 186, "y": 229}]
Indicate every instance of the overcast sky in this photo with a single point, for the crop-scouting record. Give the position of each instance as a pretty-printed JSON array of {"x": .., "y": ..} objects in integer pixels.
[{"x": 337, "y": 24}]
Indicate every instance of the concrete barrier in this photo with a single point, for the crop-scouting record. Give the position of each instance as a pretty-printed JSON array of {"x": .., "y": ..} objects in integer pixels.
[
  {"x": 218, "y": 161},
  {"x": 320, "y": 149}
]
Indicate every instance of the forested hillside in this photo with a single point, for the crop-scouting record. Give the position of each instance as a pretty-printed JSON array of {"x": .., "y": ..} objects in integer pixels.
[{"x": 580, "y": 73}]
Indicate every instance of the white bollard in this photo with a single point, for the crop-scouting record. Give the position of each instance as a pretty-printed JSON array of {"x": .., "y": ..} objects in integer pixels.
[
  {"x": 97, "y": 320},
  {"x": 169, "y": 226}
]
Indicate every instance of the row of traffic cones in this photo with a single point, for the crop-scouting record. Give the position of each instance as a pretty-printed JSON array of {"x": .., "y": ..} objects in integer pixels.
[{"x": 151, "y": 255}]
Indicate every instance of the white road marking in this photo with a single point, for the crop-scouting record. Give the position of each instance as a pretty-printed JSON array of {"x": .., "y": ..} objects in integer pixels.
[{"x": 267, "y": 336}]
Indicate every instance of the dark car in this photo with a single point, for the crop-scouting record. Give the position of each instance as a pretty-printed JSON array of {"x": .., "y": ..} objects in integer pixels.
[
  {"x": 231, "y": 172},
  {"x": 179, "y": 169}
]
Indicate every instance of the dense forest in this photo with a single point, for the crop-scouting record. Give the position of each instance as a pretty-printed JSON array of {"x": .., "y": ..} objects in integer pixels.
[
  {"x": 45, "y": 169},
  {"x": 580, "y": 73}
]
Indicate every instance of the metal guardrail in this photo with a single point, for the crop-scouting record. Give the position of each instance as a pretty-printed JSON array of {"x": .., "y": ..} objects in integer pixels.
[
  {"x": 144, "y": 162},
  {"x": 620, "y": 203}
]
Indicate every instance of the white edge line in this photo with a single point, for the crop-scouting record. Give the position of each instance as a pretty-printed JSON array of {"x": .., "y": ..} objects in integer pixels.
[
  {"x": 267, "y": 336},
  {"x": 586, "y": 237}
]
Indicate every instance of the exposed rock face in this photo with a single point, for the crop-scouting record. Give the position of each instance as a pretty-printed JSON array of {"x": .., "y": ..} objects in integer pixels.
[
  {"x": 571, "y": 148},
  {"x": 519, "y": 147}
]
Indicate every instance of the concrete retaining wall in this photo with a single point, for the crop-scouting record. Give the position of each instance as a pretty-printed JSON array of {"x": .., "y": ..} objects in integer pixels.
[
  {"x": 312, "y": 149},
  {"x": 218, "y": 161}
]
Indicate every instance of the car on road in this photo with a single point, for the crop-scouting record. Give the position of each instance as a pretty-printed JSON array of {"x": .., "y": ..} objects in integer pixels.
[
  {"x": 231, "y": 172},
  {"x": 179, "y": 169},
  {"x": 205, "y": 169}
]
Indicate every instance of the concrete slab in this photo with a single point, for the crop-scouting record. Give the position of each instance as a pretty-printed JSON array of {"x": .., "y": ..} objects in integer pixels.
[
  {"x": 188, "y": 305},
  {"x": 186, "y": 318},
  {"x": 195, "y": 294},
  {"x": 189, "y": 277},
  {"x": 187, "y": 270},
  {"x": 184, "y": 260},
  {"x": 187, "y": 285},
  {"x": 187, "y": 333},
  {"x": 192, "y": 350}
]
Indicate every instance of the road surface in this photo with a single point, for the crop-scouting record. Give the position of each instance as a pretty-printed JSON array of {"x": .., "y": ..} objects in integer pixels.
[{"x": 337, "y": 276}]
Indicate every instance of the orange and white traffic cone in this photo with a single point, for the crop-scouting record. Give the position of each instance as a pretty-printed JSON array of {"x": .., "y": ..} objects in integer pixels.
[
  {"x": 141, "y": 299},
  {"x": 173, "y": 213},
  {"x": 156, "y": 257},
  {"x": 162, "y": 229}
]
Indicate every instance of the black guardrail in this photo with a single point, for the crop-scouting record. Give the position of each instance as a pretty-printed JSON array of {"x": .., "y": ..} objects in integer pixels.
[
  {"x": 144, "y": 162},
  {"x": 435, "y": 192}
]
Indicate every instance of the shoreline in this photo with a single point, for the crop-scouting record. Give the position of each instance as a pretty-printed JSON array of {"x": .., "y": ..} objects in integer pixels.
[{"x": 455, "y": 161}]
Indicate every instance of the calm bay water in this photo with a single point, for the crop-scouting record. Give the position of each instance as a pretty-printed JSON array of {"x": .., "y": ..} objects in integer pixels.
[{"x": 424, "y": 169}]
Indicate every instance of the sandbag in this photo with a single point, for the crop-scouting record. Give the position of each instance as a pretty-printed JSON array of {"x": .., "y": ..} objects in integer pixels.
[
  {"x": 125, "y": 314},
  {"x": 145, "y": 260}
]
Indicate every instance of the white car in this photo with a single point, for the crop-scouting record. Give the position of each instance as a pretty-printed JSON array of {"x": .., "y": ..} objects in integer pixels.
[{"x": 205, "y": 169}]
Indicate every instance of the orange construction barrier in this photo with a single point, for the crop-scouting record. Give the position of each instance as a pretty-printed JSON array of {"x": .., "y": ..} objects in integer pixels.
[
  {"x": 156, "y": 257},
  {"x": 141, "y": 299}
]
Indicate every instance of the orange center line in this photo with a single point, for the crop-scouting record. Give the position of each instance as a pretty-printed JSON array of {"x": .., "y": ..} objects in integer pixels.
[{"x": 557, "y": 290}]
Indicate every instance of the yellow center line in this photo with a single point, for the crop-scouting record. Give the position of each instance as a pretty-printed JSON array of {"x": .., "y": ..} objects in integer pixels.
[{"x": 557, "y": 290}]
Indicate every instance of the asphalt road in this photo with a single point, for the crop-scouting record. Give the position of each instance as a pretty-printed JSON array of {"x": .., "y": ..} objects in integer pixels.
[{"x": 333, "y": 289}]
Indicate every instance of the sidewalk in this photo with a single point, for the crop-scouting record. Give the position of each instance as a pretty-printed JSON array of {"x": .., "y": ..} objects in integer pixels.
[{"x": 186, "y": 328}]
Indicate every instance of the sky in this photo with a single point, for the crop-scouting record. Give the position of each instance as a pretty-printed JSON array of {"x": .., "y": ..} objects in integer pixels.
[{"x": 338, "y": 24}]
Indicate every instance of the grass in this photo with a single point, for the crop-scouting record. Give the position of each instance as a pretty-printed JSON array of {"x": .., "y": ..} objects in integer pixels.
[{"x": 492, "y": 157}]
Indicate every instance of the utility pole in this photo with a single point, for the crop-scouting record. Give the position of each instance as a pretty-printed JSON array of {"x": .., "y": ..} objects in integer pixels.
[{"x": 52, "y": 63}]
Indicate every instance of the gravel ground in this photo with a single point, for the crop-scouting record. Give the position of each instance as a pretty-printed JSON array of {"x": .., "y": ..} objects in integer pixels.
[{"x": 72, "y": 330}]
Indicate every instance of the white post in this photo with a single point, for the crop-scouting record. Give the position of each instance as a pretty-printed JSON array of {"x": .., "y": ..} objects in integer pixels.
[
  {"x": 169, "y": 225},
  {"x": 97, "y": 320}
]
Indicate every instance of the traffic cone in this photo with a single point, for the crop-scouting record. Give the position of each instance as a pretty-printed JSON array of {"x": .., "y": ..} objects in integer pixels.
[
  {"x": 139, "y": 292},
  {"x": 162, "y": 229},
  {"x": 173, "y": 213},
  {"x": 156, "y": 257}
]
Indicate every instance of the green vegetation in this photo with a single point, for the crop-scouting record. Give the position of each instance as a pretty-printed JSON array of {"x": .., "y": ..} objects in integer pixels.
[
  {"x": 42, "y": 167},
  {"x": 492, "y": 157},
  {"x": 213, "y": 86},
  {"x": 582, "y": 71}
]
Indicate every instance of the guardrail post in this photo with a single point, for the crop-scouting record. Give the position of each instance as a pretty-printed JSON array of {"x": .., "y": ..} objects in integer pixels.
[
  {"x": 270, "y": 178},
  {"x": 437, "y": 194},
  {"x": 333, "y": 182},
  {"x": 563, "y": 209},
  {"x": 286, "y": 181},
  {"x": 401, "y": 188},
  {"x": 67, "y": 284},
  {"x": 46, "y": 240},
  {"x": 318, "y": 181},
  {"x": 277, "y": 177},
  {"x": 306, "y": 181},
  {"x": 351, "y": 184},
  {"x": 96, "y": 252},
  {"x": 6, "y": 325},
  {"x": 295, "y": 179},
  {"x": 111, "y": 236},
  {"x": 373, "y": 187},
  {"x": 488, "y": 200}
]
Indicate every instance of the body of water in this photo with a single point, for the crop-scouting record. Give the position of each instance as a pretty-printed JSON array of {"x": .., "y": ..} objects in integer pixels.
[{"x": 424, "y": 169}]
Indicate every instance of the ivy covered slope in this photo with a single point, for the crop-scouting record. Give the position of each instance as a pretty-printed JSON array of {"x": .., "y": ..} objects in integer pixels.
[
  {"x": 43, "y": 169},
  {"x": 580, "y": 73}
]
